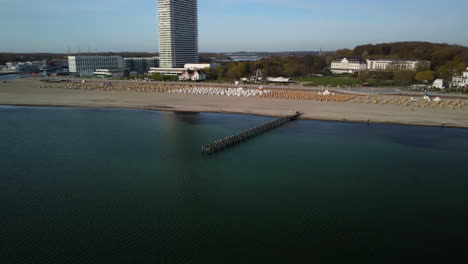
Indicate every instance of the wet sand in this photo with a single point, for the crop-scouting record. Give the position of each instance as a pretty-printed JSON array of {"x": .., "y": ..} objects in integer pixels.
[{"x": 28, "y": 93}]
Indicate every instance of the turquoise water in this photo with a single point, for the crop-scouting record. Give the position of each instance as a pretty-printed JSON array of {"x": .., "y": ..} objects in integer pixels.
[{"x": 127, "y": 186}]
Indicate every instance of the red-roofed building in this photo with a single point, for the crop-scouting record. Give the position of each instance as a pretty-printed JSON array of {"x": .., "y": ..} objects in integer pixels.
[{"x": 461, "y": 81}]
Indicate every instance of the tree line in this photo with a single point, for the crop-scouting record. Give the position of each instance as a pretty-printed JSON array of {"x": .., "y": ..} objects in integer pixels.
[
  {"x": 287, "y": 66},
  {"x": 446, "y": 60}
]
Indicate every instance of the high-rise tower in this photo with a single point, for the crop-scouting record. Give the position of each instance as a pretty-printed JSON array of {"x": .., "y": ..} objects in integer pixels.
[{"x": 178, "y": 33}]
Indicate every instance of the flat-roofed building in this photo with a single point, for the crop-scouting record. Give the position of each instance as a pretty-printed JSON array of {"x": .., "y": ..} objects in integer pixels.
[
  {"x": 350, "y": 65},
  {"x": 107, "y": 73},
  {"x": 201, "y": 66},
  {"x": 60, "y": 63},
  {"x": 82, "y": 66},
  {"x": 141, "y": 65},
  {"x": 397, "y": 65},
  {"x": 178, "y": 33},
  {"x": 166, "y": 71},
  {"x": 188, "y": 66}
]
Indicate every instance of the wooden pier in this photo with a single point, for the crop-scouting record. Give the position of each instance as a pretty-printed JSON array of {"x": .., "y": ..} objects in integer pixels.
[{"x": 244, "y": 135}]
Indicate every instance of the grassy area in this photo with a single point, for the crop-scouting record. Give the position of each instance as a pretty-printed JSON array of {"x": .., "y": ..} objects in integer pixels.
[{"x": 326, "y": 80}]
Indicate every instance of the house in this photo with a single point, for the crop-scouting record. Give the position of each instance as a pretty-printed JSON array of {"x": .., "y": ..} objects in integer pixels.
[
  {"x": 461, "y": 81},
  {"x": 190, "y": 75},
  {"x": 350, "y": 65}
]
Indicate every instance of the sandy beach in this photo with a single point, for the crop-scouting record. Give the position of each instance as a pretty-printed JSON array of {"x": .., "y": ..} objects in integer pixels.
[{"x": 27, "y": 92}]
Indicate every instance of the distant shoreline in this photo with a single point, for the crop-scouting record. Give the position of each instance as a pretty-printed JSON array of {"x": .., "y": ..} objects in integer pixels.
[{"x": 163, "y": 109}]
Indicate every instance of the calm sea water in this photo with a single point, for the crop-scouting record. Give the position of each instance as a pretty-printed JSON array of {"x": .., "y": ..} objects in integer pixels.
[
  {"x": 7, "y": 77},
  {"x": 124, "y": 186}
]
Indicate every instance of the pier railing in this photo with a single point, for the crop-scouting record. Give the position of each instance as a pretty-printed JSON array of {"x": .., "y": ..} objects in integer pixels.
[{"x": 244, "y": 135}]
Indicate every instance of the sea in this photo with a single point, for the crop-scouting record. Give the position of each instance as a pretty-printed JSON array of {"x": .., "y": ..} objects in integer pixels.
[
  {"x": 8, "y": 77},
  {"x": 132, "y": 186}
]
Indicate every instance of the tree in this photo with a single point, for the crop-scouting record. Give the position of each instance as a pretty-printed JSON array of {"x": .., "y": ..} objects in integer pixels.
[
  {"x": 160, "y": 77},
  {"x": 404, "y": 77},
  {"x": 363, "y": 76},
  {"x": 427, "y": 76},
  {"x": 292, "y": 69}
]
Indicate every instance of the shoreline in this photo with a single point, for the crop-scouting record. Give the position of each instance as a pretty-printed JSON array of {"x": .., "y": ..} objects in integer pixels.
[
  {"x": 174, "y": 110},
  {"x": 28, "y": 93}
]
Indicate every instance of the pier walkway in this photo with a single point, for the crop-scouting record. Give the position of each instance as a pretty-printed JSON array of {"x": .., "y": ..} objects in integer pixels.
[{"x": 242, "y": 136}]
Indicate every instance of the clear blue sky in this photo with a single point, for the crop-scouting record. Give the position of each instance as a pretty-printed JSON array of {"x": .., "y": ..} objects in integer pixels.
[{"x": 230, "y": 25}]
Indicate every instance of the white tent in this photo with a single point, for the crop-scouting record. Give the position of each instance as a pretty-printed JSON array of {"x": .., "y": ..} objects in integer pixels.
[{"x": 278, "y": 79}]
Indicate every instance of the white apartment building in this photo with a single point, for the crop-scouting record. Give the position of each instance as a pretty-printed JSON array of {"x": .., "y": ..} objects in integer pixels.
[
  {"x": 178, "y": 32},
  {"x": 141, "y": 65},
  {"x": 397, "y": 65},
  {"x": 351, "y": 65},
  {"x": 461, "y": 81},
  {"x": 82, "y": 66}
]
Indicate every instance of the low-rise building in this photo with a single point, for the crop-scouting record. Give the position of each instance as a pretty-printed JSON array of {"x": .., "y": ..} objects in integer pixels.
[
  {"x": 60, "y": 63},
  {"x": 201, "y": 66},
  {"x": 179, "y": 71},
  {"x": 25, "y": 67},
  {"x": 166, "y": 71},
  {"x": 141, "y": 65},
  {"x": 350, "y": 65},
  {"x": 109, "y": 73},
  {"x": 461, "y": 81},
  {"x": 193, "y": 75},
  {"x": 397, "y": 65},
  {"x": 82, "y": 66}
]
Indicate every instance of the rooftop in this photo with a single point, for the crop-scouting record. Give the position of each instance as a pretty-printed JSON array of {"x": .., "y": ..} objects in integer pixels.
[
  {"x": 394, "y": 60},
  {"x": 354, "y": 59}
]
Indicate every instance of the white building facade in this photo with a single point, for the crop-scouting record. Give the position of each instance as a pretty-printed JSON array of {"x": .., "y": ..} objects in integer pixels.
[
  {"x": 461, "y": 81},
  {"x": 166, "y": 71},
  {"x": 82, "y": 66},
  {"x": 201, "y": 66},
  {"x": 178, "y": 32},
  {"x": 397, "y": 65},
  {"x": 350, "y": 65}
]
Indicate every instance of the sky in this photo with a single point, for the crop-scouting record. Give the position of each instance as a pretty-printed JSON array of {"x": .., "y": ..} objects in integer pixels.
[{"x": 230, "y": 25}]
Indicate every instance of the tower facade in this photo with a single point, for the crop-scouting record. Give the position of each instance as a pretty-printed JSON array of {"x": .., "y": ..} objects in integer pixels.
[{"x": 178, "y": 33}]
